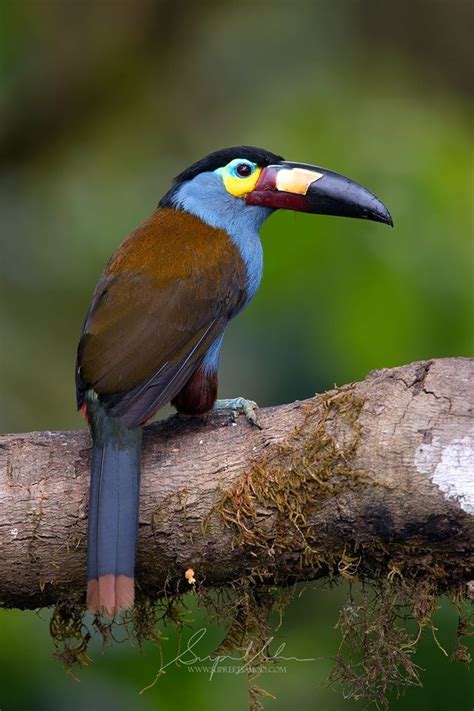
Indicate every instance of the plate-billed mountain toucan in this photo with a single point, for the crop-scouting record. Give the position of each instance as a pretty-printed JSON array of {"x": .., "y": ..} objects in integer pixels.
[{"x": 155, "y": 326}]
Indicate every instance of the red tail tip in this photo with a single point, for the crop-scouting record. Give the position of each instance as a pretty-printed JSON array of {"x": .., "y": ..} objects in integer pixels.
[{"x": 110, "y": 594}]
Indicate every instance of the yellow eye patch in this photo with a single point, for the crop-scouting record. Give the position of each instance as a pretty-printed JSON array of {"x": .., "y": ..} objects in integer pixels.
[{"x": 234, "y": 177}]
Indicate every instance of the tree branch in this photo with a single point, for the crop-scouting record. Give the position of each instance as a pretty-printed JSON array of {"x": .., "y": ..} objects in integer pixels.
[{"x": 369, "y": 478}]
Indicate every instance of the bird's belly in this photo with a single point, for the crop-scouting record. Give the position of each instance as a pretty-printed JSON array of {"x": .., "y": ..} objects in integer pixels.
[{"x": 199, "y": 394}]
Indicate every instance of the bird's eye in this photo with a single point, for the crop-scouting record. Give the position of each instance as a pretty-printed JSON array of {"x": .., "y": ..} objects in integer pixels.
[{"x": 243, "y": 170}]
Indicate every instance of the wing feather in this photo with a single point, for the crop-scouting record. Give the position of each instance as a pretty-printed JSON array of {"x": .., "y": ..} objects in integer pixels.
[{"x": 164, "y": 298}]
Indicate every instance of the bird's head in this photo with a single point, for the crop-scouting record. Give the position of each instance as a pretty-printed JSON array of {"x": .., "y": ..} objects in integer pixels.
[{"x": 247, "y": 184}]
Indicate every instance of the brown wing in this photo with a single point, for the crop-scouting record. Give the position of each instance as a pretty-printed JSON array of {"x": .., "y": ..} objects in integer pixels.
[{"x": 163, "y": 299}]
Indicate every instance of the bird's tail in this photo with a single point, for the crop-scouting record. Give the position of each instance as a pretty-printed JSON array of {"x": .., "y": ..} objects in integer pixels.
[{"x": 113, "y": 512}]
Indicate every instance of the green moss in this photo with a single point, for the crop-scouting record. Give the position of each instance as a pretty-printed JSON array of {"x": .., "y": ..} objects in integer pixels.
[
  {"x": 309, "y": 466},
  {"x": 400, "y": 582},
  {"x": 70, "y": 635}
]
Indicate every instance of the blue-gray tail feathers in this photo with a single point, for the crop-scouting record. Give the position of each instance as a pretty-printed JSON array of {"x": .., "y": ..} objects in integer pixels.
[{"x": 113, "y": 512}]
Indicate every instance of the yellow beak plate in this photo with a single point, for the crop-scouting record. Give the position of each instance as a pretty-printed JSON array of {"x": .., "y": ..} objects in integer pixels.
[{"x": 296, "y": 180}]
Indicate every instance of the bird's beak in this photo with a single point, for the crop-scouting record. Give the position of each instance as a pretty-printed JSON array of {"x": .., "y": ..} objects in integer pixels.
[{"x": 307, "y": 188}]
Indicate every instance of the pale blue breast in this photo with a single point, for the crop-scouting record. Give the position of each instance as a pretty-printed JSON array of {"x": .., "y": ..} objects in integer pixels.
[
  {"x": 206, "y": 197},
  {"x": 211, "y": 359}
]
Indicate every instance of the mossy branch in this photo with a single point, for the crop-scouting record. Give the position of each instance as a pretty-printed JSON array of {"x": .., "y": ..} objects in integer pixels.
[{"x": 372, "y": 480}]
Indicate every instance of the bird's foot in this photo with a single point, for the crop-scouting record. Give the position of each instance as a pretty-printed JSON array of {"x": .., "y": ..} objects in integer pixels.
[{"x": 240, "y": 405}]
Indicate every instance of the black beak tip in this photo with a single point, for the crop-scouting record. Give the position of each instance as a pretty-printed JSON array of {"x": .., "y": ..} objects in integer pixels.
[
  {"x": 386, "y": 218},
  {"x": 379, "y": 213},
  {"x": 375, "y": 213}
]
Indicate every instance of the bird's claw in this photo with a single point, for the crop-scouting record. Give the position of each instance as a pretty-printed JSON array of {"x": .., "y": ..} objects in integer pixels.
[
  {"x": 249, "y": 409},
  {"x": 240, "y": 405}
]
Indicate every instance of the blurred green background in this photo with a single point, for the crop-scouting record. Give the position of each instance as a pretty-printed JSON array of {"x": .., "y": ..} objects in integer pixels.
[{"x": 101, "y": 103}]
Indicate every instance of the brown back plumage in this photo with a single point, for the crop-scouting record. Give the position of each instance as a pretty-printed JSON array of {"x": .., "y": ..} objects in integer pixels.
[{"x": 163, "y": 299}]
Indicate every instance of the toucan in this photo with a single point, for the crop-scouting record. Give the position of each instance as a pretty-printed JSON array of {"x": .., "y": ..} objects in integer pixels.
[{"x": 158, "y": 315}]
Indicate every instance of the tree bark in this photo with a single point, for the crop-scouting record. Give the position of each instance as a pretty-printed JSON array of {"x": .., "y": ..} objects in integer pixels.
[{"x": 374, "y": 477}]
